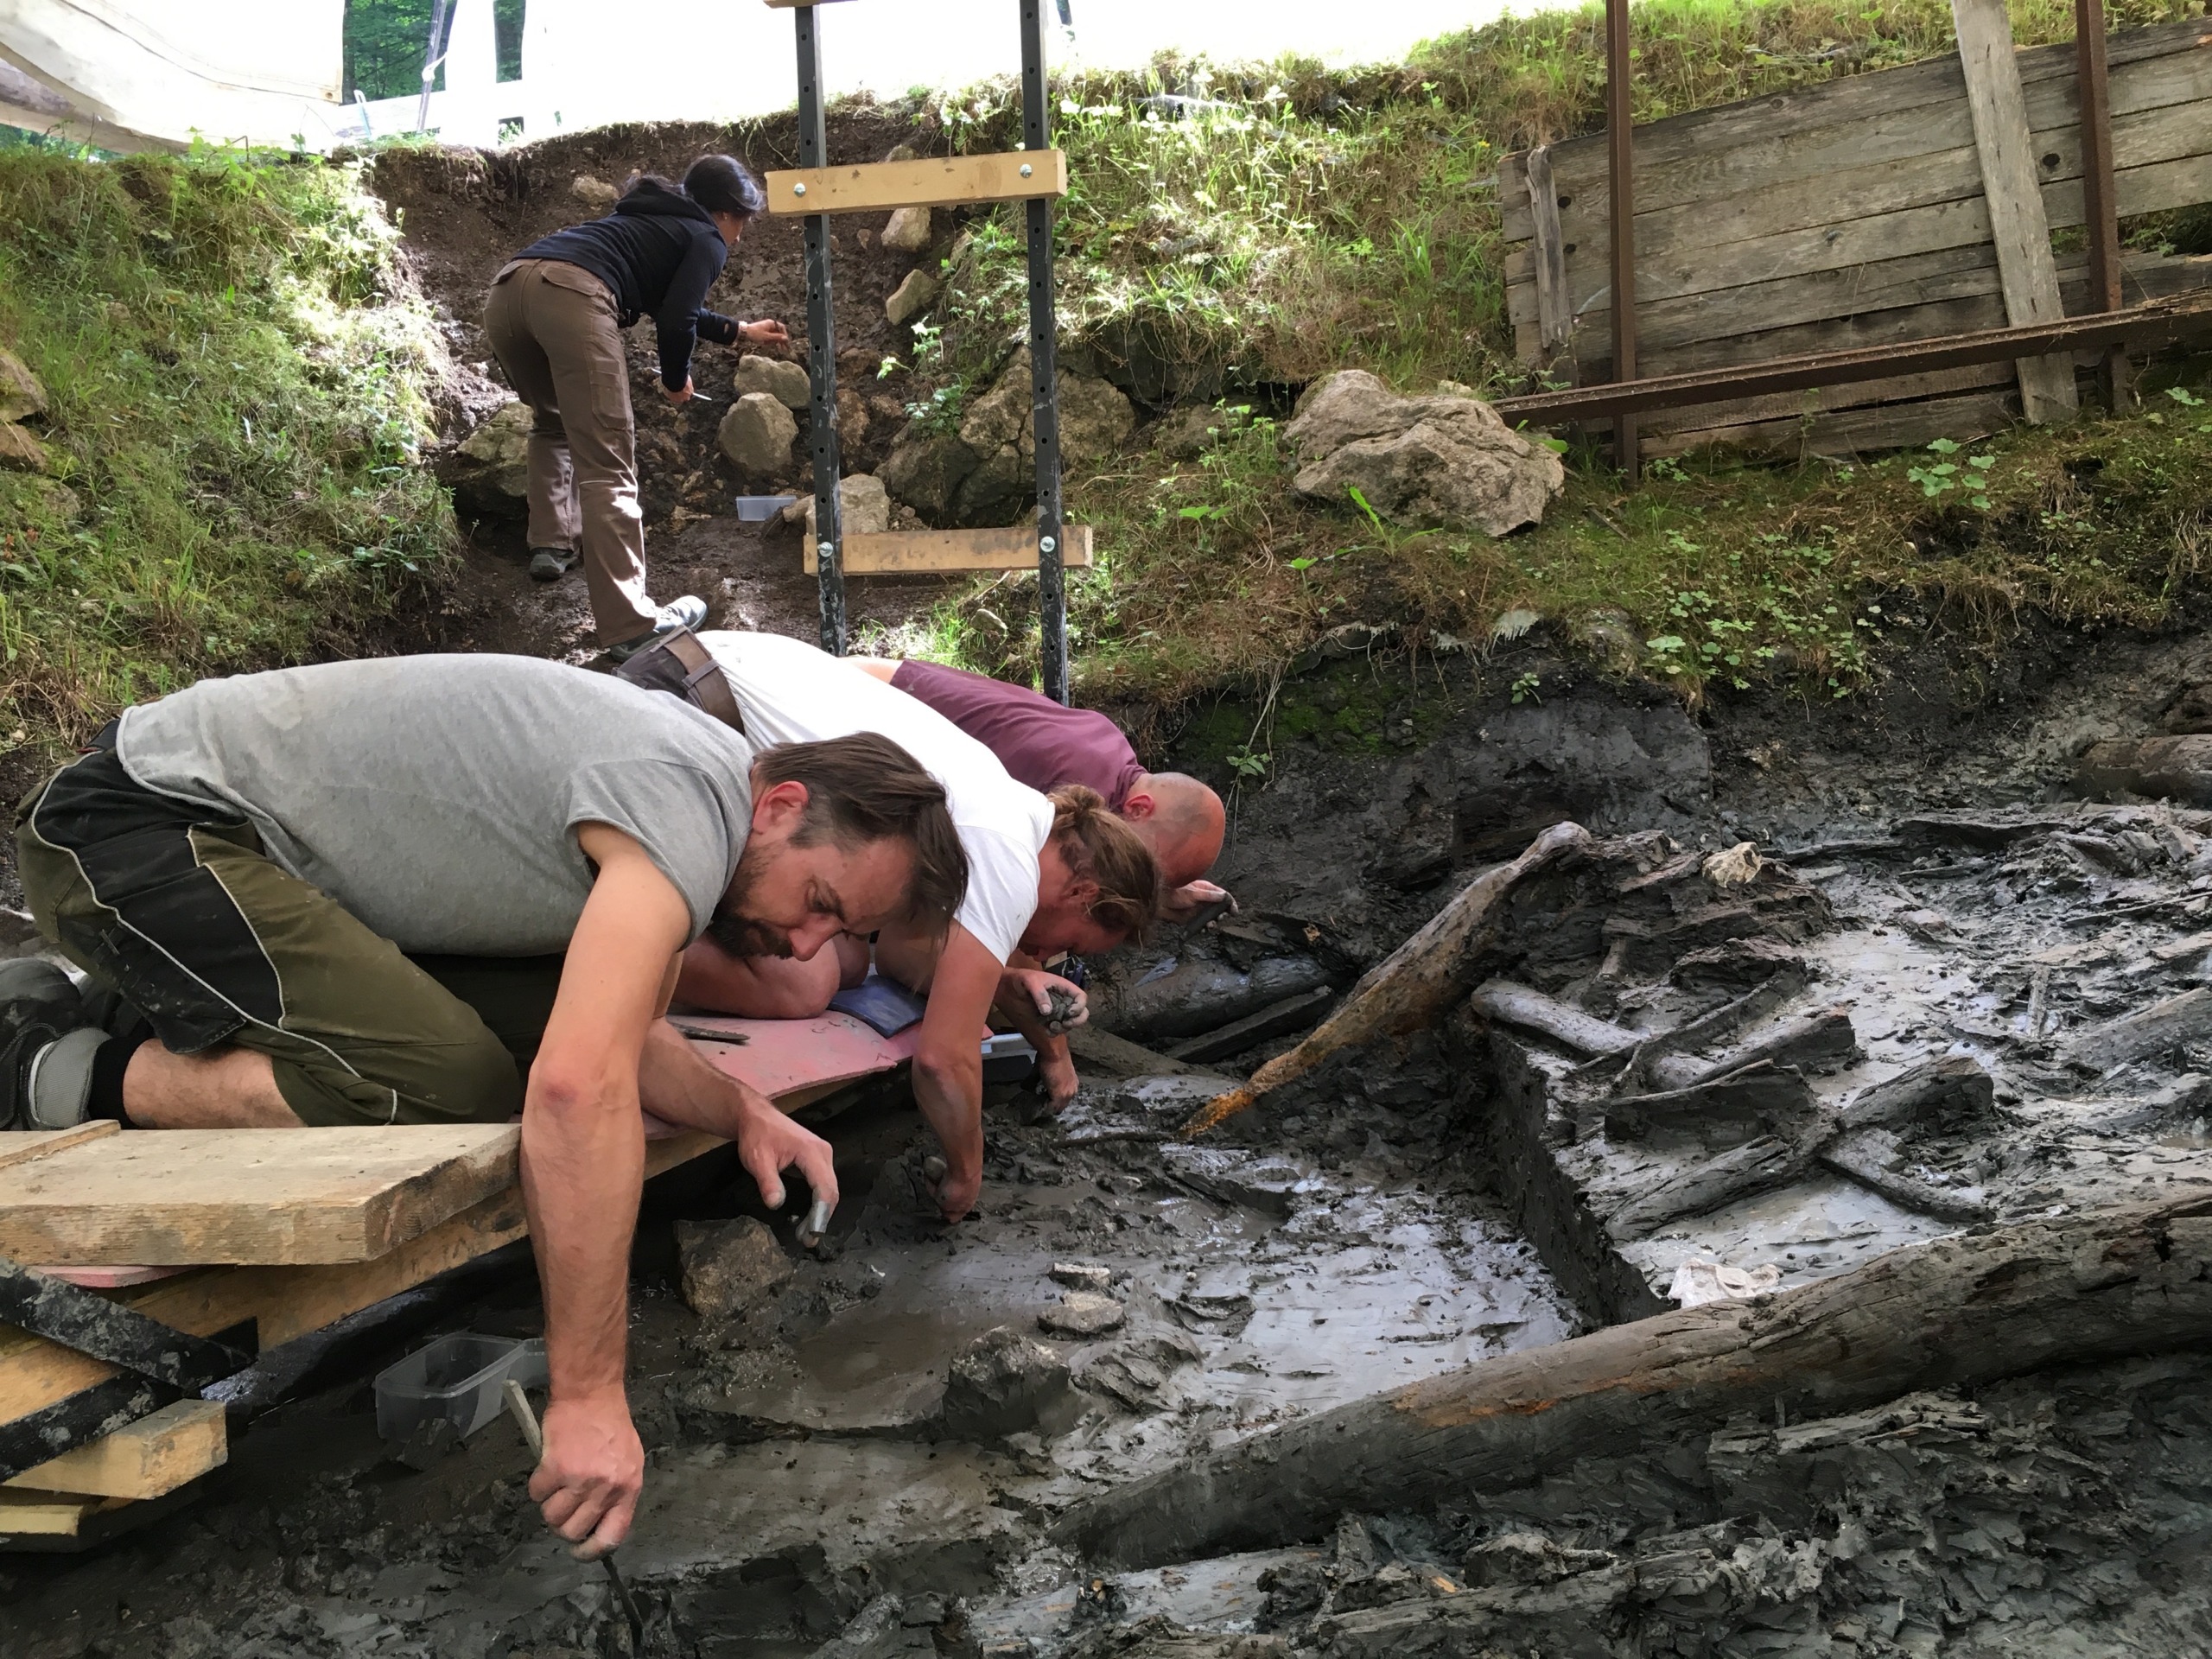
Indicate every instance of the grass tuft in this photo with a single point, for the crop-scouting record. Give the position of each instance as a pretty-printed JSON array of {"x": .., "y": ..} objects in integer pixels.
[{"x": 239, "y": 373}]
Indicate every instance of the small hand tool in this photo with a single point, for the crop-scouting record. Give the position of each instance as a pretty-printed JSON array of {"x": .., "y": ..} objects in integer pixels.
[
  {"x": 815, "y": 1225},
  {"x": 534, "y": 1437}
]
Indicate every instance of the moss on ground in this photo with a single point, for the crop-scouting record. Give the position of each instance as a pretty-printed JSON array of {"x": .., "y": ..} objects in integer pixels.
[{"x": 240, "y": 376}]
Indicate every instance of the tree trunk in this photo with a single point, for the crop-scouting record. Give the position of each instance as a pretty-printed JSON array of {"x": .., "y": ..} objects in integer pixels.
[{"x": 1959, "y": 1311}]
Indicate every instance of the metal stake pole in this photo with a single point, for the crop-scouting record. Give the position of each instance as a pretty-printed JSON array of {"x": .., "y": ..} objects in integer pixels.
[
  {"x": 2097, "y": 194},
  {"x": 1044, "y": 377},
  {"x": 820, "y": 348},
  {"x": 1620, "y": 162}
]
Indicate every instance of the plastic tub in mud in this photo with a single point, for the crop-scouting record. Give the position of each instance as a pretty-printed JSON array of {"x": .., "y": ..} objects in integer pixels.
[
  {"x": 759, "y": 509},
  {"x": 457, "y": 1379}
]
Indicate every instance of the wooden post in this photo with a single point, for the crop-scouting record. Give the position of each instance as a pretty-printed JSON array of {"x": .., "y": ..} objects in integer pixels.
[
  {"x": 1620, "y": 154},
  {"x": 1555, "y": 310},
  {"x": 820, "y": 349},
  {"x": 2101, "y": 211},
  {"x": 1044, "y": 371},
  {"x": 2017, "y": 225}
]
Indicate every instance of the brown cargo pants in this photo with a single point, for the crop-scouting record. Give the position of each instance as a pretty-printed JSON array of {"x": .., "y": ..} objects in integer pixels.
[{"x": 555, "y": 328}]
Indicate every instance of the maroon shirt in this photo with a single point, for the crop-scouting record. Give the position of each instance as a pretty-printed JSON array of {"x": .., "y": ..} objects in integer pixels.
[{"x": 1039, "y": 742}]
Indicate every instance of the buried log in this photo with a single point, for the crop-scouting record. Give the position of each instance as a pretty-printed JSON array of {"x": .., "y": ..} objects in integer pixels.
[
  {"x": 1531, "y": 1010},
  {"x": 1961, "y": 1311},
  {"x": 2178, "y": 1019},
  {"x": 1761, "y": 1098},
  {"x": 1936, "y": 1093},
  {"x": 1815, "y": 1039},
  {"x": 1707, "y": 1028},
  {"x": 1411, "y": 987},
  {"x": 1870, "y": 1158}
]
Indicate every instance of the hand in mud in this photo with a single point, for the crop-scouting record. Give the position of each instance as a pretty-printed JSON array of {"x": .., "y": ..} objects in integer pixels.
[
  {"x": 1060, "y": 1003},
  {"x": 768, "y": 1143},
  {"x": 1056, "y": 1072},
  {"x": 956, "y": 1195},
  {"x": 587, "y": 1482},
  {"x": 1181, "y": 904},
  {"x": 766, "y": 332},
  {"x": 679, "y": 398}
]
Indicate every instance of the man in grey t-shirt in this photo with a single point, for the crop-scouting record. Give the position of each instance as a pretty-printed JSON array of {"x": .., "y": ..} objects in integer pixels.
[{"x": 445, "y": 888}]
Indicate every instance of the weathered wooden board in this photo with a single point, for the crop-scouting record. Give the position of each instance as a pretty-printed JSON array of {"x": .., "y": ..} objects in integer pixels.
[
  {"x": 183, "y": 1198},
  {"x": 932, "y": 182},
  {"x": 22, "y": 1145},
  {"x": 1856, "y": 431},
  {"x": 153, "y": 1456},
  {"x": 950, "y": 552},
  {"x": 46, "y": 1514}
]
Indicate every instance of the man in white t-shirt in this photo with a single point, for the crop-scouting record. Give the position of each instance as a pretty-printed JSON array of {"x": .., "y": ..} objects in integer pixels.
[{"x": 1045, "y": 874}]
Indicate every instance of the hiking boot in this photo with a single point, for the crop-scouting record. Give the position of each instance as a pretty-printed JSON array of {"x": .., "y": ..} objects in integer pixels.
[
  {"x": 688, "y": 611},
  {"x": 57, "y": 1081},
  {"x": 550, "y": 564}
]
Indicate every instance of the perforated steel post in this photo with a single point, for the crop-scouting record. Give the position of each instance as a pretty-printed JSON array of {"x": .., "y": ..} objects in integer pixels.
[
  {"x": 1044, "y": 378},
  {"x": 821, "y": 347}
]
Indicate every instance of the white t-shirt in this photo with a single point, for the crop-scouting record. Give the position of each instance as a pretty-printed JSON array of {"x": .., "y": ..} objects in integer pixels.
[{"x": 791, "y": 692}]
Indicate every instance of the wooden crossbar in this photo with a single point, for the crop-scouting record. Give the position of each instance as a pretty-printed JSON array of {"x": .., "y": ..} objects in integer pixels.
[
  {"x": 150, "y": 1458},
  {"x": 933, "y": 181},
  {"x": 954, "y": 552}
]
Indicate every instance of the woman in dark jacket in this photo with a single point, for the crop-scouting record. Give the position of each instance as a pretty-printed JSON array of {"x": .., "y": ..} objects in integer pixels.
[{"x": 555, "y": 316}]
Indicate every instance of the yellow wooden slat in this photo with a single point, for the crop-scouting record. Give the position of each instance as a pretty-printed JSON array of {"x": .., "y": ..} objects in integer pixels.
[
  {"x": 44, "y": 1514},
  {"x": 22, "y": 1145},
  {"x": 950, "y": 552},
  {"x": 147, "y": 1458},
  {"x": 933, "y": 181}
]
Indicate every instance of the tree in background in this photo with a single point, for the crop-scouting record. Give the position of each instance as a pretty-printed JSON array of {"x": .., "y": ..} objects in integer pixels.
[{"x": 385, "y": 41}]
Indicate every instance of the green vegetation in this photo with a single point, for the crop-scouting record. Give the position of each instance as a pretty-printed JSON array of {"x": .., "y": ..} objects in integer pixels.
[
  {"x": 240, "y": 377},
  {"x": 385, "y": 41},
  {"x": 1244, "y": 231}
]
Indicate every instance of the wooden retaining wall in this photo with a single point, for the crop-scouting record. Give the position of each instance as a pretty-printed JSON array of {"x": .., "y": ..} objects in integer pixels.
[{"x": 1850, "y": 214}]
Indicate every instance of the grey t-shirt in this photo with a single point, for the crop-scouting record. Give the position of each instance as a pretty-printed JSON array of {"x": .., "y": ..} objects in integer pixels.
[{"x": 436, "y": 797}]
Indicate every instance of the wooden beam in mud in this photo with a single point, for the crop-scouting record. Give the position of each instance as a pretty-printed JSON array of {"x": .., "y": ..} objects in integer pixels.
[{"x": 1955, "y": 1312}]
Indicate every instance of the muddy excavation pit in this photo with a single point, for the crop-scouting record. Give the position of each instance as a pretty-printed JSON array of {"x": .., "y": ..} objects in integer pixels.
[{"x": 1654, "y": 1244}]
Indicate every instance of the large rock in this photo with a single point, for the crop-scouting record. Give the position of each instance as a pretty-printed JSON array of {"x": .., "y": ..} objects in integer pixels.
[
  {"x": 490, "y": 470},
  {"x": 912, "y": 298},
  {"x": 786, "y": 381},
  {"x": 20, "y": 394},
  {"x": 1440, "y": 462},
  {"x": 2155, "y": 768},
  {"x": 595, "y": 193},
  {"x": 907, "y": 231},
  {"x": 1004, "y": 1383},
  {"x": 863, "y": 506},
  {"x": 21, "y": 452},
  {"x": 729, "y": 1265},
  {"x": 986, "y": 473},
  {"x": 757, "y": 434}
]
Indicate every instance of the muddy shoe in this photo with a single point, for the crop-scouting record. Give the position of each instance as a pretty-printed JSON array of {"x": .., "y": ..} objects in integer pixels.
[
  {"x": 550, "y": 564},
  {"x": 45, "y": 1072},
  {"x": 688, "y": 611},
  {"x": 34, "y": 991}
]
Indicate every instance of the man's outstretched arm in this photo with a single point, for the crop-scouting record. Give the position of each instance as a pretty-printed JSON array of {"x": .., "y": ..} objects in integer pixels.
[
  {"x": 582, "y": 1164},
  {"x": 948, "y": 1063}
]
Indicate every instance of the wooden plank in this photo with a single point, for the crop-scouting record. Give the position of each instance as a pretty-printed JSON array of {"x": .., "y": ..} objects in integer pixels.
[
  {"x": 154, "y": 1455},
  {"x": 2017, "y": 225},
  {"x": 1882, "y": 118},
  {"x": 46, "y": 1515},
  {"x": 25, "y": 1144},
  {"x": 1816, "y": 401},
  {"x": 178, "y": 1197},
  {"x": 1856, "y": 431},
  {"x": 933, "y": 181},
  {"x": 950, "y": 552},
  {"x": 1554, "y": 315}
]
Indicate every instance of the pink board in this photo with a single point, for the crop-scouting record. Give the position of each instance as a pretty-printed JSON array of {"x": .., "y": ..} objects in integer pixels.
[{"x": 781, "y": 1056}]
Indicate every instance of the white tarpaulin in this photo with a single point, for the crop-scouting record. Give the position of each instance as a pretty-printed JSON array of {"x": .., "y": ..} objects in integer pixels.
[{"x": 267, "y": 71}]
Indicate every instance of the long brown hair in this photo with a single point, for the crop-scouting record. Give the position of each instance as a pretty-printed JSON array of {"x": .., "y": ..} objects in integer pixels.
[
  {"x": 863, "y": 789},
  {"x": 1099, "y": 846}
]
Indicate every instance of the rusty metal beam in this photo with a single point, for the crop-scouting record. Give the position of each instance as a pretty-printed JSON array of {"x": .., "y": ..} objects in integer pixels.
[
  {"x": 2152, "y": 325},
  {"x": 1620, "y": 153}
]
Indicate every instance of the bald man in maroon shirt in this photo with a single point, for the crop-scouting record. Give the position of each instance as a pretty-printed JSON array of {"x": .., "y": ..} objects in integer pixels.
[{"x": 1047, "y": 747}]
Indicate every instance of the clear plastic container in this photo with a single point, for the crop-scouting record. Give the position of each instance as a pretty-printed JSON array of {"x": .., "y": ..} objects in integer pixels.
[
  {"x": 457, "y": 1379},
  {"x": 1008, "y": 1058},
  {"x": 759, "y": 509}
]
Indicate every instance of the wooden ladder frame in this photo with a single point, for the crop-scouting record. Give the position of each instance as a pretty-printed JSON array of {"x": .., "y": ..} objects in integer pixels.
[{"x": 1035, "y": 174}]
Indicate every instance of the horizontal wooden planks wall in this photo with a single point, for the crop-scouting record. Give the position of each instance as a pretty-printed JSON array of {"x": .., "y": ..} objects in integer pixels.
[{"x": 1847, "y": 215}]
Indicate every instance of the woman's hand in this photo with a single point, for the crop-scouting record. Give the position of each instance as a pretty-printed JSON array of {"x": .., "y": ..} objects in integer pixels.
[
  {"x": 679, "y": 398},
  {"x": 768, "y": 332}
]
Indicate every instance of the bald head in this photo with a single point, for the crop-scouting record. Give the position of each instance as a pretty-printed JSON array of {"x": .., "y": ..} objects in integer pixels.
[{"x": 1180, "y": 819}]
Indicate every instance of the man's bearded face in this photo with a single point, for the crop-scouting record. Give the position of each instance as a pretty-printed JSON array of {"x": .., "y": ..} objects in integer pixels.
[{"x": 736, "y": 929}]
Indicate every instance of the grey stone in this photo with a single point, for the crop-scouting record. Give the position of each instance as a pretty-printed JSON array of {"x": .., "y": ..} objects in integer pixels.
[
  {"x": 1082, "y": 1313},
  {"x": 1075, "y": 1275},
  {"x": 1439, "y": 460},
  {"x": 1186, "y": 434},
  {"x": 729, "y": 1265},
  {"x": 908, "y": 230},
  {"x": 595, "y": 193},
  {"x": 1136, "y": 1372},
  {"x": 490, "y": 470},
  {"x": 2149, "y": 768},
  {"x": 21, "y": 395},
  {"x": 1006, "y": 1384},
  {"x": 786, "y": 381},
  {"x": 757, "y": 434},
  {"x": 925, "y": 469},
  {"x": 863, "y": 506},
  {"x": 912, "y": 298},
  {"x": 21, "y": 452}
]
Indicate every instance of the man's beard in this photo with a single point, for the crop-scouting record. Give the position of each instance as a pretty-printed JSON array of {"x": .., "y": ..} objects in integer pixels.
[{"x": 740, "y": 934}]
